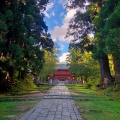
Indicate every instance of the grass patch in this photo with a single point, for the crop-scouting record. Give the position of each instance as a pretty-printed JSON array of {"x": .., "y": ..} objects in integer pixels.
[
  {"x": 12, "y": 107},
  {"x": 95, "y": 106},
  {"x": 10, "y": 110}
]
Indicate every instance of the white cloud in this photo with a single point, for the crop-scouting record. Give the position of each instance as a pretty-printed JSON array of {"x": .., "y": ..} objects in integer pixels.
[
  {"x": 60, "y": 31},
  {"x": 48, "y": 8},
  {"x": 69, "y": 15},
  {"x": 62, "y": 59},
  {"x": 54, "y": 40}
]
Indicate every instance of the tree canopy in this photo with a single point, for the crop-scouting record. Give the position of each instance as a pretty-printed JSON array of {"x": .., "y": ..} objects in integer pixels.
[
  {"x": 23, "y": 32},
  {"x": 101, "y": 18}
]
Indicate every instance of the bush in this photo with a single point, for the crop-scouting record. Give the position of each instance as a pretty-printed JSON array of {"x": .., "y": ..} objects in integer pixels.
[
  {"x": 92, "y": 83},
  {"x": 20, "y": 85}
]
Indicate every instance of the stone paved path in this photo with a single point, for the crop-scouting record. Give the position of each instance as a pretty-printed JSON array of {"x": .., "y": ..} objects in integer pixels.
[{"x": 56, "y": 105}]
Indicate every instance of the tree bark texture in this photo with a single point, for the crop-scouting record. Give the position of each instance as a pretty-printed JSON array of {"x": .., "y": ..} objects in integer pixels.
[
  {"x": 81, "y": 80},
  {"x": 106, "y": 77}
]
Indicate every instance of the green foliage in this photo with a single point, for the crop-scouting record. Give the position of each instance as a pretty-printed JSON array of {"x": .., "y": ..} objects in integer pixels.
[
  {"x": 102, "y": 18},
  {"x": 92, "y": 83},
  {"x": 112, "y": 29},
  {"x": 3, "y": 29},
  {"x": 83, "y": 64},
  {"x": 50, "y": 64},
  {"x": 15, "y": 51},
  {"x": 9, "y": 16},
  {"x": 106, "y": 20},
  {"x": 112, "y": 41},
  {"x": 21, "y": 85},
  {"x": 22, "y": 28}
]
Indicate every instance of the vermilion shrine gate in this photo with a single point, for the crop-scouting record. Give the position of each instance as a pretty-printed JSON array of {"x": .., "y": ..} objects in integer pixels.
[{"x": 62, "y": 74}]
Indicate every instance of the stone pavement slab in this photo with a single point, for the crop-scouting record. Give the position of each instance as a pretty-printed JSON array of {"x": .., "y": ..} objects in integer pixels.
[{"x": 56, "y": 105}]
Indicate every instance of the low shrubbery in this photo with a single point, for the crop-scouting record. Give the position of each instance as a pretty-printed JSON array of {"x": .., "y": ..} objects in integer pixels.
[
  {"x": 92, "y": 83},
  {"x": 20, "y": 85},
  {"x": 113, "y": 90}
]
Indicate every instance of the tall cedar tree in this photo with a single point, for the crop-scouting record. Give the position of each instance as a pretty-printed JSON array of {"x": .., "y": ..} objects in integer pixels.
[
  {"x": 21, "y": 29},
  {"x": 109, "y": 28},
  {"x": 82, "y": 24}
]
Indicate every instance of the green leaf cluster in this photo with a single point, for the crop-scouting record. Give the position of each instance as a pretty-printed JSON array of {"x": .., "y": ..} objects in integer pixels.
[{"x": 83, "y": 65}]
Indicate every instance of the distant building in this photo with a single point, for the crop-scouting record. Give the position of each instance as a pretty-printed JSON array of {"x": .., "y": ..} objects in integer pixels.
[{"x": 62, "y": 72}]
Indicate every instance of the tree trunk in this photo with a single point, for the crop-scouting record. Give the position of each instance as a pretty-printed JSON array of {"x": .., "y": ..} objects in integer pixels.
[
  {"x": 2, "y": 81},
  {"x": 2, "y": 77},
  {"x": 12, "y": 74},
  {"x": 19, "y": 75},
  {"x": 82, "y": 80},
  {"x": 117, "y": 70},
  {"x": 22, "y": 74},
  {"x": 106, "y": 77}
]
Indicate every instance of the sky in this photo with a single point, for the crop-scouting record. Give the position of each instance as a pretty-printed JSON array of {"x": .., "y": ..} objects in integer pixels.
[{"x": 57, "y": 19}]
